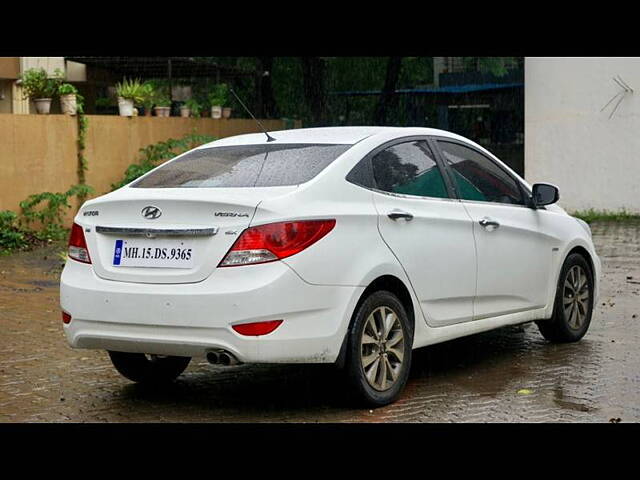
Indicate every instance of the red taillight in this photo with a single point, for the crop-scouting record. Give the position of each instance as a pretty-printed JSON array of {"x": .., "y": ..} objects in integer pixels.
[
  {"x": 257, "y": 328},
  {"x": 66, "y": 318},
  {"x": 77, "y": 245},
  {"x": 274, "y": 241}
]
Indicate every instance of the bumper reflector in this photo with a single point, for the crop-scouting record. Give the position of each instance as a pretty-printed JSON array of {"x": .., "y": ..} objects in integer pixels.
[
  {"x": 257, "y": 328},
  {"x": 66, "y": 318}
]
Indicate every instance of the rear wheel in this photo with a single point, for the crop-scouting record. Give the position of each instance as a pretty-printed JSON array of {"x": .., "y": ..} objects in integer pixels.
[
  {"x": 573, "y": 303},
  {"x": 379, "y": 349},
  {"x": 143, "y": 368}
]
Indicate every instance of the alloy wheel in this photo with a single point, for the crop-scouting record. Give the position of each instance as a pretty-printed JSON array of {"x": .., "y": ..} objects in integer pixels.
[
  {"x": 575, "y": 298},
  {"x": 382, "y": 348}
]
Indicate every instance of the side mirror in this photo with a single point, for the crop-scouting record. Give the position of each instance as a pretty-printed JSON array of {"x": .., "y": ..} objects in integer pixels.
[{"x": 545, "y": 194}]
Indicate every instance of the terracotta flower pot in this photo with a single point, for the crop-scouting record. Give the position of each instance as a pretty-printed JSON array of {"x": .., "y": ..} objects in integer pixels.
[
  {"x": 162, "y": 111},
  {"x": 43, "y": 105},
  {"x": 69, "y": 104},
  {"x": 226, "y": 112}
]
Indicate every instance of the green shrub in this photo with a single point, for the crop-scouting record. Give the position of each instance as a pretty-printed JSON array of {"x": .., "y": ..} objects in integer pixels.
[
  {"x": 37, "y": 83},
  {"x": 193, "y": 105},
  {"x": 130, "y": 90},
  {"x": 155, "y": 92},
  {"x": 11, "y": 236},
  {"x": 67, "y": 89},
  {"x": 148, "y": 95},
  {"x": 17, "y": 232},
  {"x": 105, "y": 102},
  {"x": 219, "y": 95},
  {"x": 48, "y": 209},
  {"x": 163, "y": 100}
]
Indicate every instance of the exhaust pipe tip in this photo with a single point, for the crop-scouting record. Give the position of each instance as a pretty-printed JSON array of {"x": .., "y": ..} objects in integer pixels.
[
  {"x": 221, "y": 357},
  {"x": 225, "y": 359}
]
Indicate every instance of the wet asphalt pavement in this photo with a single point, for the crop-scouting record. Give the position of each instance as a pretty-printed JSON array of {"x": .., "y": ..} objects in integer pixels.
[{"x": 508, "y": 375}]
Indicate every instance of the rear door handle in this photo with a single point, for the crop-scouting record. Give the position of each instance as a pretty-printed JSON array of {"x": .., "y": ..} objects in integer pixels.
[
  {"x": 489, "y": 224},
  {"x": 396, "y": 214}
]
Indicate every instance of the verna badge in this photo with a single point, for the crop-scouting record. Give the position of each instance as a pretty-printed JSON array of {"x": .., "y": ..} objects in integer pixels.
[{"x": 151, "y": 212}]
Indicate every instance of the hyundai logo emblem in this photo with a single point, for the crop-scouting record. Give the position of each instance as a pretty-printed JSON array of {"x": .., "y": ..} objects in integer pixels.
[{"x": 151, "y": 212}]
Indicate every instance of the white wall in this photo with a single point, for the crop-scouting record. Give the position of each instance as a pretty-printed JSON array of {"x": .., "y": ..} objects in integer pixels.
[
  {"x": 594, "y": 160},
  {"x": 75, "y": 72},
  {"x": 50, "y": 64}
]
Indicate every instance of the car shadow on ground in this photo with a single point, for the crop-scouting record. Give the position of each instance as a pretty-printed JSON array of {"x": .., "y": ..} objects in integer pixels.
[
  {"x": 483, "y": 363},
  {"x": 251, "y": 389}
]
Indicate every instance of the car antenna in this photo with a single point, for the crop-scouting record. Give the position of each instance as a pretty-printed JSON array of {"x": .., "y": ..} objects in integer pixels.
[{"x": 269, "y": 137}]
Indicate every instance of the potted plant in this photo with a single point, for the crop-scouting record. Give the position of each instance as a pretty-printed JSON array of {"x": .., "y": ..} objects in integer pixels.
[
  {"x": 217, "y": 98},
  {"x": 39, "y": 87},
  {"x": 163, "y": 105},
  {"x": 205, "y": 106},
  {"x": 192, "y": 106},
  {"x": 226, "y": 109},
  {"x": 185, "y": 111},
  {"x": 129, "y": 92},
  {"x": 148, "y": 97},
  {"x": 68, "y": 98}
]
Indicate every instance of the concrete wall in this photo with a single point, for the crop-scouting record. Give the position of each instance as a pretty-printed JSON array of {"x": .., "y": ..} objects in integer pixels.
[
  {"x": 50, "y": 64},
  {"x": 9, "y": 71},
  {"x": 9, "y": 67},
  {"x": 569, "y": 141},
  {"x": 38, "y": 153},
  {"x": 6, "y": 97}
]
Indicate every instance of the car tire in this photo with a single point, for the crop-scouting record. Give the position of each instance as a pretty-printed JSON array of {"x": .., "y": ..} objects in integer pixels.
[
  {"x": 148, "y": 369},
  {"x": 378, "y": 362},
  {"x": 573, "y": 304}
]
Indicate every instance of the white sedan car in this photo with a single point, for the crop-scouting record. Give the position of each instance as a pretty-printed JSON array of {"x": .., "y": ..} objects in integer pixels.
[{"x": 346, "y": 245}]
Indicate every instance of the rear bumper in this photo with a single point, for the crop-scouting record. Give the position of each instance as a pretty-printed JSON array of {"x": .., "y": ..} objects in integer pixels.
[{"x": 191, "y": 319}]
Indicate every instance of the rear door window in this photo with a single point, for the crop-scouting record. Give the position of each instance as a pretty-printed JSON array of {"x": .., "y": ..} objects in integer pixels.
[
  {"x": 409, "y": 168},
  {"x": 244, "y": 166}
]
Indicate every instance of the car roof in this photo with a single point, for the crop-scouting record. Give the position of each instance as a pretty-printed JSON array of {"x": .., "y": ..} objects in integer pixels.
[{"x": 330, "y": 135}]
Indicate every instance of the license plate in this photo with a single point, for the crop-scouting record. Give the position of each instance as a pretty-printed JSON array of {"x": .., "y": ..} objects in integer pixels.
[{"x": 159, "y": 253}]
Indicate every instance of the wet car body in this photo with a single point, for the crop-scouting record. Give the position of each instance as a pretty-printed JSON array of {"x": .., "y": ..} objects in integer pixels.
[{"x": 427, "y": 215}]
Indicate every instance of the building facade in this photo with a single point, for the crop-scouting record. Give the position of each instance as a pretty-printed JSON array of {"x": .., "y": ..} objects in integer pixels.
[
  {"x": 12, "y": 98},
  {"x": 573, "y": 122},
  {"x": 582, "y": 130}
]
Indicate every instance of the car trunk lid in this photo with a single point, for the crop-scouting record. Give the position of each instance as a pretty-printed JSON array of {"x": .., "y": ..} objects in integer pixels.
[{"x": 167, "y": 235}]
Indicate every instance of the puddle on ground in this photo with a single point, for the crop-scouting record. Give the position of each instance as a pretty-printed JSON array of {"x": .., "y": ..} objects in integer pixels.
[{"x": 474, "y": 379}]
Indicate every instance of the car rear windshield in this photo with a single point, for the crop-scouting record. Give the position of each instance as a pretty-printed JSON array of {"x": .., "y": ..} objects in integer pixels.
[{"x": 244, "y": 166}]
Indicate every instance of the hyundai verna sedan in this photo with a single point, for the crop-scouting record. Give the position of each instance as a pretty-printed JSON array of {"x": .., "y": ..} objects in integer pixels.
[{"x": 347, "y": 245}]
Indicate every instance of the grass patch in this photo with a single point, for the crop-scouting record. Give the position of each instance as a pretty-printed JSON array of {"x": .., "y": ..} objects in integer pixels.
[{"x": 591, "y": 215}]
